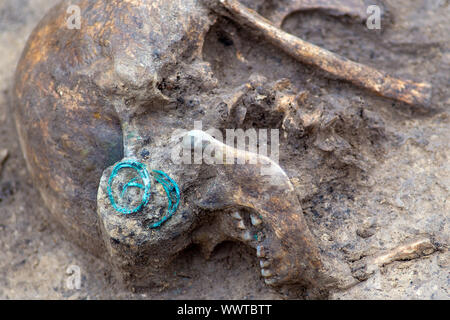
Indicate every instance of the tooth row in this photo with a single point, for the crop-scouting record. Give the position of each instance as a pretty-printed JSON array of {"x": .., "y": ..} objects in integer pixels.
[{"x": 260, "y": 252}]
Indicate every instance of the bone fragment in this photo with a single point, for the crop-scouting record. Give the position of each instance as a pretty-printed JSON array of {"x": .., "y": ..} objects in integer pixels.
[
  {"x": 411, "y": 250},
  {"x": 410, "y": 92}
]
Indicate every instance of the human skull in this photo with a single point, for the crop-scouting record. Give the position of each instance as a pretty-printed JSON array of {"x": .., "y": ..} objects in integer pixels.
[{"x": 115, "y": 91}]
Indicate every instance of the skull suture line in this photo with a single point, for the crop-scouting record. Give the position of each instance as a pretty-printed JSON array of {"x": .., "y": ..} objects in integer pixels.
[{"x": 114, "y": 91}]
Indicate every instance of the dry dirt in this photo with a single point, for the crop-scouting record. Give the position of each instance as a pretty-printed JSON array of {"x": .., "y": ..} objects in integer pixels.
[{"x": 404, "y": 198}]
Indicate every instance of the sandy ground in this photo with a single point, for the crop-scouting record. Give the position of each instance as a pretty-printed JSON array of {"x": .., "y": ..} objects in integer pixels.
[{"x": 411, "y": 188}]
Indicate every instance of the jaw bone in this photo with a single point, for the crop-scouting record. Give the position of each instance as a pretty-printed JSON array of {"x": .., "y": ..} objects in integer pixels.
[
  {"x": 275, "y": 220},
  {"x": 236, "y": 203}
]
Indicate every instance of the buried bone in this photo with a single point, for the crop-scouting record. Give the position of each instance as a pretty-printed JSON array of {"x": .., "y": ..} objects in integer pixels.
[
  {"x": 120, "y": 87},
  {"x": 410, "y": 92},
  {"x": 271, "y": 198}
]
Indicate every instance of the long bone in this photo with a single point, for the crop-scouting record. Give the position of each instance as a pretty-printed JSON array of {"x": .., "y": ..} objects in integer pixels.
[{"x": 410, "y": 92}]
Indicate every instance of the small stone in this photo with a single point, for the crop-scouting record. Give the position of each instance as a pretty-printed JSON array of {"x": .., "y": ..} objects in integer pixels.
[{"x": 365, "y": 232}]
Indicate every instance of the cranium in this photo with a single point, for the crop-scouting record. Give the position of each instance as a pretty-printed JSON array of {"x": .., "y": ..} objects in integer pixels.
[{"x": 116, "y": 90}]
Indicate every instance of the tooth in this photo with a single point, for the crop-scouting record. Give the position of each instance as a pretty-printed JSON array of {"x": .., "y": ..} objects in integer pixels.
[
  {"x": 263, "y": 263},
  {"x": 269, "y": 281},
  {"x": 247, "y": 236},
  {"x": 241, "y": 225},
  {"x": 260, "y": 252},
  {"x": 255, "y": 221},
  {"x": 266, "y": 273},
  {"x": 237, "y": 215}
]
